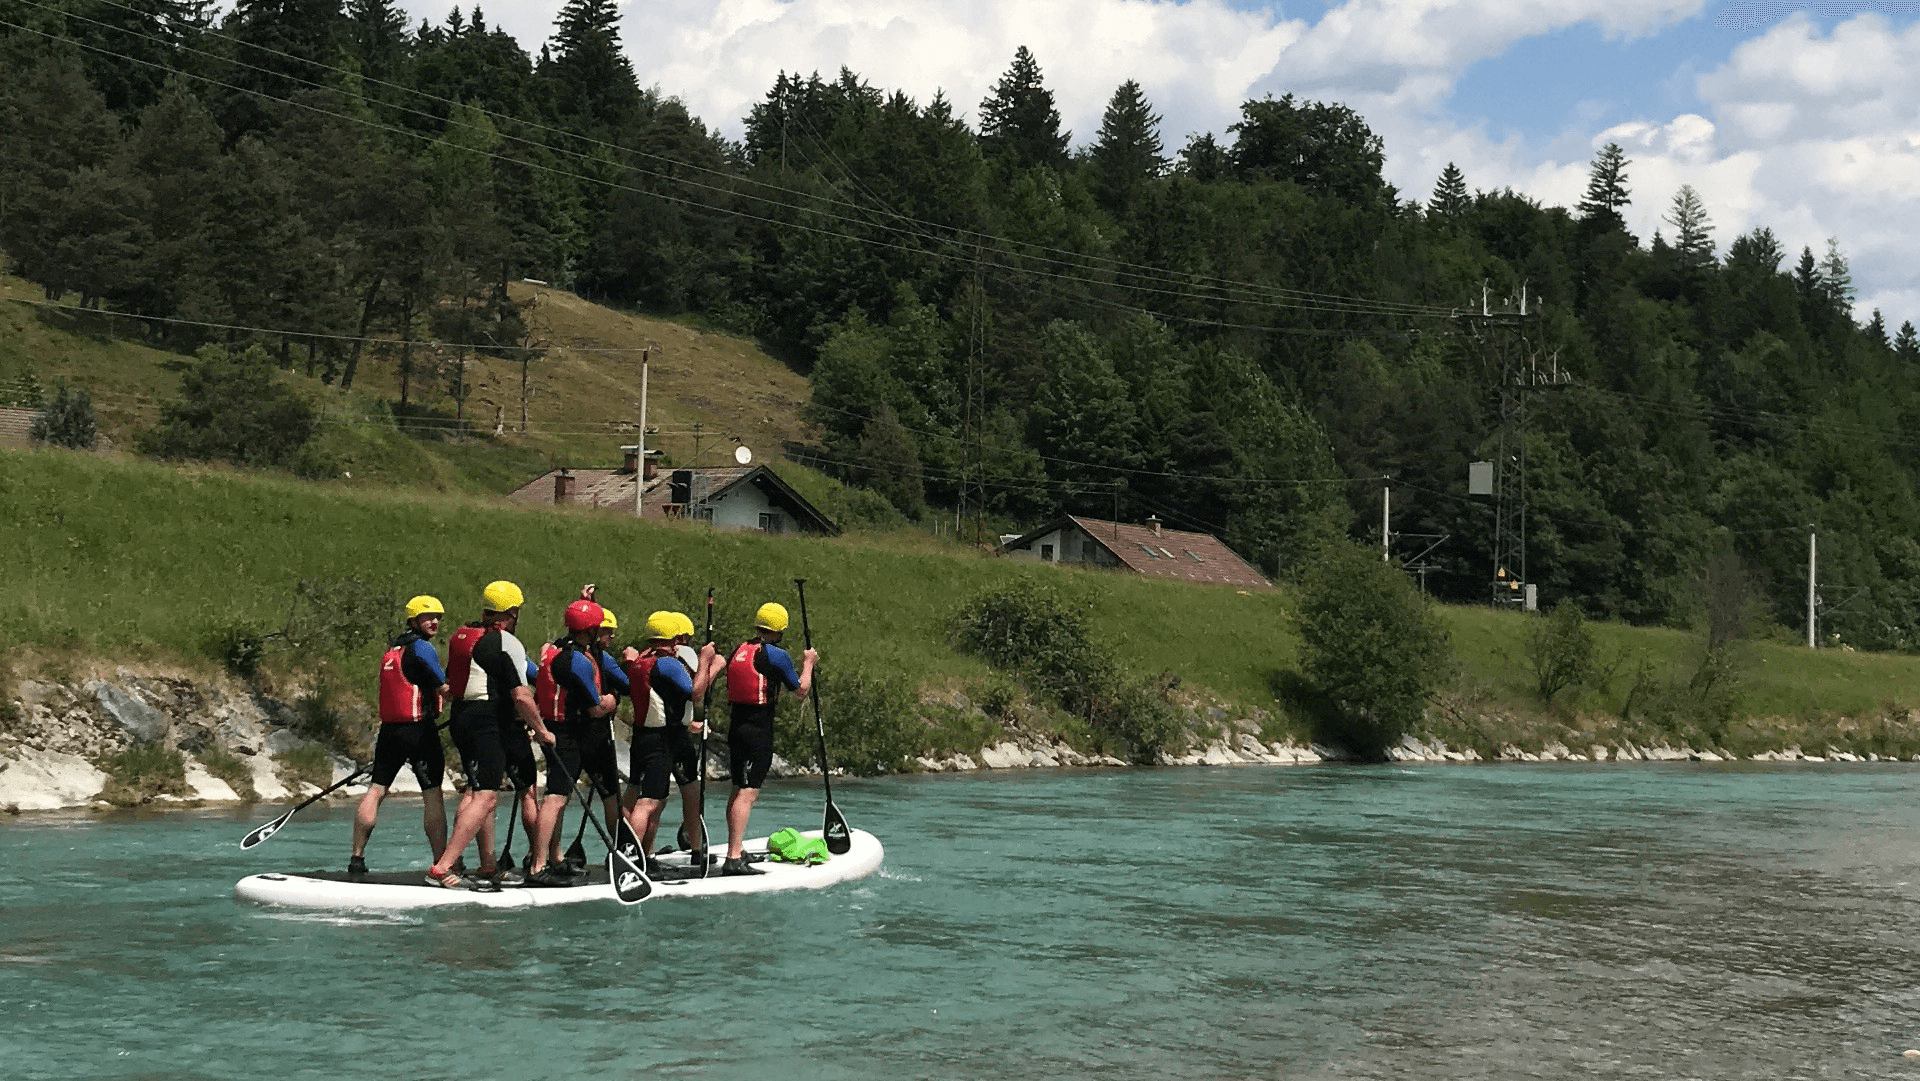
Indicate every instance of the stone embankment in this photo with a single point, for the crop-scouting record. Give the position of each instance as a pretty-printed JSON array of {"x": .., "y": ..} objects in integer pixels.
[{"x": 55, "y": 736}]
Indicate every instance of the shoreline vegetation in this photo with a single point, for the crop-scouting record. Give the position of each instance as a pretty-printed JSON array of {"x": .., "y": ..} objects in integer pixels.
[{"x": 208, "y": 634}]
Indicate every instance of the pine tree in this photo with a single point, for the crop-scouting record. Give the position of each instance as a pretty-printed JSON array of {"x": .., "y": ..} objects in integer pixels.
[
  {"x": 1203, "y": 158},
  {"x": 67, "y": 421},
  {"x": 376, "y": 36},
  {"x": 890, "y": 464},
  {"x": 1876, "y": 330},
  {"x": 1692, "y": 229},
  {"x": 1019, "y": 124},
  {"x": 593, "y": 79},
  {"x": 1806, "y": 277},
  {"x": 1128, "y": 154},
  {"x": 1607, "y": 190},
  {"x": 1906, "y": 344},
  {"x": 1450, "y": 198},
  {"x": 1758, "y": 252},
  {"x": 1836, "y": 279}
]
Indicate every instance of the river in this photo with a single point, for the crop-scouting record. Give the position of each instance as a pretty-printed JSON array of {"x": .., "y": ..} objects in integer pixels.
[{"x": 1557, "y": 921}]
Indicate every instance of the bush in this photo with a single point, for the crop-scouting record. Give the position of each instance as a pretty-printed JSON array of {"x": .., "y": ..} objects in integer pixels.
[
  {"x": 1029, "y": 629},
  {"x": 305, "y": 765},
  {"x": 67, "y": 420},
  {"x": 230, "y": 768},
  {"x": 138, "y": 774},
  {"x": 1371, "y": 644},
  {"x": 232, "y": 408},
  {"x": 1560, "y": 651},
  {"x": 872, "y": 726},
  {"x": 238, "y": 647}
]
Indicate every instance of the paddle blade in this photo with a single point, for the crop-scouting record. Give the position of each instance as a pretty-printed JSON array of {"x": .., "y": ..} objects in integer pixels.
[
  {"x": 624, "y": 841},
  {"x": 839, "y": 836},
  {"x": 266, "y": 832},
  {"x": 630, "y": 883},
  {"x": 577, "y": 852}
]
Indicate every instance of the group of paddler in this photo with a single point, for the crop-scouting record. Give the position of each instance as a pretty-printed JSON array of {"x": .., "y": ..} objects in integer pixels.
[{"x": 564, "y": 697}]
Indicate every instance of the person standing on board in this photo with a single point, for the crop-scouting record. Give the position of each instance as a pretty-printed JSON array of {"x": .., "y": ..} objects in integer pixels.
[
  {"x": 412, "y": 690},
  {"x": 492, "y": 713},
  {"x": 598, "y": 756},
  {"x": 755, "y": 673},
  {"x": 570, "y": 699},
  {"x": 664, "y": 688}
]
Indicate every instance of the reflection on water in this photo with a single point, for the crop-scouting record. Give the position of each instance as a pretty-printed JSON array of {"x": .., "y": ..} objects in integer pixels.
[{"x": 1477, "y": 922}]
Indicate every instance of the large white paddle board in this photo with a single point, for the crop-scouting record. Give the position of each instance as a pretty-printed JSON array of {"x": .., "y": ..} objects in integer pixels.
[{"x": 386, "y": 892}]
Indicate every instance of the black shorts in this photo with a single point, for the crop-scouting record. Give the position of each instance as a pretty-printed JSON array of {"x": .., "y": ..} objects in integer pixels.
[
  {"x": 516, "y": 748},
  {"x": 476, "y": 735},
  {"x": 576, "y": 752},
  {"x": 750, "y": 745},
  {"x": 416, "y": 745},
  {"x": 660, "y": 756}
]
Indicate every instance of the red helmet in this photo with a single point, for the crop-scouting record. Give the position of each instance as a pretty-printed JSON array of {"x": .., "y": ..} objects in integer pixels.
[{"x": 584, "y": 616}]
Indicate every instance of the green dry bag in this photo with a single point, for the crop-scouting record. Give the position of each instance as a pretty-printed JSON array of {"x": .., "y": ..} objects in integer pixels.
[{"x": 788, "y": 846}]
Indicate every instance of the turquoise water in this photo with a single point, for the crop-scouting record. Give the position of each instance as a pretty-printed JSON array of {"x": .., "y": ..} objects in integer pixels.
[{"x": 1437, "y": 922}]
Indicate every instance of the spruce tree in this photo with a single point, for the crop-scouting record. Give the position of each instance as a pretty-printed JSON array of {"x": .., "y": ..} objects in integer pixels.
[
  {"x": 1203, "y": 158},
  {"x": 1019, "y": 125},
  {"x": 1906, "y": 344},
  {"x": 593, "y": 80},
  {"x": 67, "y": 421},
  {"x": 1607, "y": 190},
  {"x": 1692, "y": 229},
  {"x": 377, "y": 36},
  {"x": 1128, "y": 154},
  {"x": 1836, "y": 279},
  {"x": 1758, "y": 252},
  {"x": 1806, "y": 277},
  {"x": 1876, "y": 330},
  {"x": 1450, "y": 198}
]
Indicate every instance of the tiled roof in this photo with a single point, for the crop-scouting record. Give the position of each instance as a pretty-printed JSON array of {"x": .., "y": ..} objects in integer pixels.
[
  {"x": 614, "y": 488},
  {"x": 1171, "y": 553}
]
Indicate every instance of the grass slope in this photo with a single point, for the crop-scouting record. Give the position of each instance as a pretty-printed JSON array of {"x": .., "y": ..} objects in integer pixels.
[{"x": 119, "y": 557}]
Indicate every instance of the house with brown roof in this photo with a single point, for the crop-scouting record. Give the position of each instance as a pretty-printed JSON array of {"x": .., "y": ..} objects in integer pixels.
[
  {"x": 729, "y": 497},
  {"x": 1151, "y": 550}
]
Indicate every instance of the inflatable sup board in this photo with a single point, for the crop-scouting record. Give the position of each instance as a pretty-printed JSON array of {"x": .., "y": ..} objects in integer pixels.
[{"x": 679, "y": 877}]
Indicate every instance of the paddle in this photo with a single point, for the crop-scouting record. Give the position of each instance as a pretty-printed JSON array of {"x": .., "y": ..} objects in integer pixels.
[
  {"x": 260, "y": 834},
  {"x": 834, "y": 826},
  {"x": 706, "y": 713},
  {"x": 513, "y": 819},
  {"x": 630, "y": 883}
]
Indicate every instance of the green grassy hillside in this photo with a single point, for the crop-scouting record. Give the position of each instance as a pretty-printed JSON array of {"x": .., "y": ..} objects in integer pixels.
[{"x": 111, "y": 558}]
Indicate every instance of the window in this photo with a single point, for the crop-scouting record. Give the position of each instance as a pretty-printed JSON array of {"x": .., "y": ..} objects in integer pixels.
[
  {"x": 771, "y": 523},
  {"x": 1166, "y": 553},
  {"x": 1151, "y": 554},
  {"x": 1191, "y": 555},
  {"x": 1046, "y": 552}
]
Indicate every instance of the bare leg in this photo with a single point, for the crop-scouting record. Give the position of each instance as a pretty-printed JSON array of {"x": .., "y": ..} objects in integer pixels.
[
  {"x": 434, "y": 803},
  {"x": 645, "y": 820},
  {"x": 547, "y": 829},
  {"x": 476, "y": 810},
  {"x": 739, "y": 806},
  {"x": 364, "y": 817},
  {"x": 559, "y": 831},
  {"x": 690, "y": 814}
]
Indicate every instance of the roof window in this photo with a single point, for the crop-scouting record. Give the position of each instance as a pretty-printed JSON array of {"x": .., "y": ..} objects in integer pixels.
[
  {"x": 1151, "y": 554},
  {"x": 1192, "y": 555}
]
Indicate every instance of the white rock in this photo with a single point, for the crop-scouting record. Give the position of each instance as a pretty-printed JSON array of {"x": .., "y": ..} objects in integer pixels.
[
  {"x": 1576, "y": 758},
  {"x": 1706, "y": 756},
  {"x": 1599, "y": 753},
  {"x": 1218, "y": 754},
  {"x": 206, "y": 786},
  {"x": 1043, "y": 760},
  {"x": 1003, "y": 755},
  {"x": 963, "y": 761},
  {"x": 48, "y": 780}
]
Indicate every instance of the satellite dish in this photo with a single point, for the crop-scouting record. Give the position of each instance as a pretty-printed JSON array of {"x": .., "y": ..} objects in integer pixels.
[{"x": 742, "y": 455}]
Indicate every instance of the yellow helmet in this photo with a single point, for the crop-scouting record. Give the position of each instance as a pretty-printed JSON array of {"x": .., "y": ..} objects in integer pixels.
[
  {"x": 686, "y": 625},
  {"x": 607, "y": 622},
  {"x": 501, "y": 596},
  {"x": 771, "y": 617},
  {"x": 663, "y": 625},
  {"x": 424, "y": 605}
]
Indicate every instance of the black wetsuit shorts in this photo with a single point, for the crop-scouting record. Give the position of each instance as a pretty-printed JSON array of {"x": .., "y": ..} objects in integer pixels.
[
  {"x": 750, "y": 744},
  {"x": 415, "y": 744},
  {"x": 661, "y": 756},
  {"x": 516, "y": 752},
  {"x": 582, "y": 748},
  {"x": 476, "y": 735}
]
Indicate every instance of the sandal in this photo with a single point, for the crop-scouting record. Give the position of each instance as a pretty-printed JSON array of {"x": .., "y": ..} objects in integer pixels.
[{"x": 446, "y": 880}]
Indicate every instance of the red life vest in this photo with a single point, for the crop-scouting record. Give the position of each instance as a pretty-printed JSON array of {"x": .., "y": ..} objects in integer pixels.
[
  {"x": 460, "y": 656},
  {"x": 648, "y": 710},
  {"x": 401, "y": 700},
  {"x": 746, "y": 684},
  {"x": 548, "y": 693}
]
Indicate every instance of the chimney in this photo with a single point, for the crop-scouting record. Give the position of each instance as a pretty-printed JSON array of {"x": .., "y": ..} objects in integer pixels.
[
  {"x": 653, "y": 468},
  {"x": 630, "y": 460},
  {"x": 1154, "y": 521},
  {"x": 563, "y": 486}
]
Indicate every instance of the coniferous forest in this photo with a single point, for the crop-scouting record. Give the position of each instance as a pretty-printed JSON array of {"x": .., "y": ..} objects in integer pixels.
[{"x": 1001, "y": 319}]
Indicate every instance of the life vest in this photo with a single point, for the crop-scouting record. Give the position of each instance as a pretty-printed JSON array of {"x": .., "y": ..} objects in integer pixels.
[
  {"x": 746, "y": 684},
  {"x": 460, "y": 656},
  {"x": 549, "y": 695},
  {"x": 402, "y": 701},
  {"x": 640, "y": 681}
]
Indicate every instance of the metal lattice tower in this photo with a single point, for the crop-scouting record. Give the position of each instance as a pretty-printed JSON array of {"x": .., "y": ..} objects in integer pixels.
[{"x": 1513, "y": 336}]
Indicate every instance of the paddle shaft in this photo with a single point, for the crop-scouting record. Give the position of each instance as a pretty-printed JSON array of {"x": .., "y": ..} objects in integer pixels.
[
  {"x": 261, "y": 834},
  {"x": 615, "y": 858},
  {"x": 706, "y": 726},
  {"x": 839, "y": 840}
]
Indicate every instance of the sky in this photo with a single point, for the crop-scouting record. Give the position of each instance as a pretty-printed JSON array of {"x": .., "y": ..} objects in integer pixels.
[{"x": 1804, "y": 117}]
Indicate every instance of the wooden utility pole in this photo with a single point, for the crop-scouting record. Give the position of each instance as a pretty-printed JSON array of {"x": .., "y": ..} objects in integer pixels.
[{"x": 640, "y": 459}]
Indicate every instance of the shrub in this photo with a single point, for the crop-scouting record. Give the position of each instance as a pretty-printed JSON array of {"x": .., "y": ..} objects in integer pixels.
[
  {"x": 238, "y": 647},
  {"x": 67, "y": 420},
  {"x": 232, "y": 408},
  {"x": 871, "y": 723},
  {"x": 1029, "y": 629},
  {"x": 1560, "y": 651},
  {"x": 1371, "y": 644},
  {"x": 305, "y": 764},
  {"x": 140, "y": 773}
]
